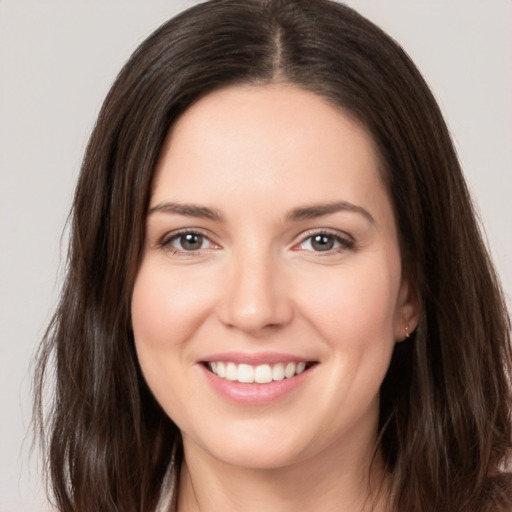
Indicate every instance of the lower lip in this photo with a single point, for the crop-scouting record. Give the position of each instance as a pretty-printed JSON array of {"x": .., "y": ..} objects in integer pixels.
[{"x": 255, "y": 394}]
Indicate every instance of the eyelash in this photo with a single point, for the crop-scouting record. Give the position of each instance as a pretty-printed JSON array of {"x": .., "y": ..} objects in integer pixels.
[
  {"x": 169, "y": 238},
  {"x": 344, "y": 242}
]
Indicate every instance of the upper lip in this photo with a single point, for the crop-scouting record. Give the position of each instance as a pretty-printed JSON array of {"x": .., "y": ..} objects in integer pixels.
[{"x": 255, "y": 359}]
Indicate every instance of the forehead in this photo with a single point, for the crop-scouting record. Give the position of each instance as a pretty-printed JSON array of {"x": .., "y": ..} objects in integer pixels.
[{"x": 261, "y": 141}]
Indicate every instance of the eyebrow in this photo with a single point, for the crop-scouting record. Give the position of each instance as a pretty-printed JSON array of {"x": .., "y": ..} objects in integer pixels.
[
  {"x": 297, "y": 214},
  {"x": 319, "y": 210},
  {"x": 187, "y": 210}
]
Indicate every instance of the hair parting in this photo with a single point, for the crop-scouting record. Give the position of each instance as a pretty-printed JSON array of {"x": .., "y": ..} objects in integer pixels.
[{"x": 445, "y": 434}]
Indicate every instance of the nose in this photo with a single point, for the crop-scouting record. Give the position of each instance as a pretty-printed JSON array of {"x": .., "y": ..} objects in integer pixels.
[{"x": 255, "y": 296}]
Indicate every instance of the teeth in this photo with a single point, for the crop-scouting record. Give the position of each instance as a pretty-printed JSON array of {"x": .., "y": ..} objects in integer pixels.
[
  {"x": 300, "y": 367},
  {"x": 261, "y": 374},
  {"x": 245, "y": 373},
  {"x": 289, "y": 371},
  {"x": 231, "y": 371},
  {"x": 278, "y": 372},
  {"x": 221, "y": 370}
]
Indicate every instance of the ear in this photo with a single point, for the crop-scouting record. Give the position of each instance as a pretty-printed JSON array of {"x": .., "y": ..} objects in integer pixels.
[{"x": 407, "y": 311}]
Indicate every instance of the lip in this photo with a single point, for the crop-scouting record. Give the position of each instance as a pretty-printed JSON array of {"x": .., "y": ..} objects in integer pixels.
[
  {"x": 255, "y": 359},
  {"x": 255, "y": 394}
]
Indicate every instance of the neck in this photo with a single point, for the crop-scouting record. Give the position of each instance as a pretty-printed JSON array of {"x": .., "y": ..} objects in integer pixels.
[{"x": 340, "y": 480}]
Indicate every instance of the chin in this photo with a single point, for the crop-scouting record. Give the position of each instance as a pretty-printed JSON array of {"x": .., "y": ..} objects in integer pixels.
[
  {"x": 255, "y": 449},
  {"x": 258, "y": 458}
]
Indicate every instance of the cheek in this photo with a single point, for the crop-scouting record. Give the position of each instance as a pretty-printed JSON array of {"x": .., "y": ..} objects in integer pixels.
[
  {"x": 354, "y": 316},
  {"x": 355, "y": 306},
  {"x": 165, "y": 312},
  {"x": 164, "y": 308}
]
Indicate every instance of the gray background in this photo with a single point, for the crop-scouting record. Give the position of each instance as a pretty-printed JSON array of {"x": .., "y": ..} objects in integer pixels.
[{"x": 57, "y": 60}]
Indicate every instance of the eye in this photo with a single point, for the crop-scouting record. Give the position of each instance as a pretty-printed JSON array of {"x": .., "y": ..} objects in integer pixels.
[
  {"x": 187, "y": 241},
  {"x": 326, "y": 242}
]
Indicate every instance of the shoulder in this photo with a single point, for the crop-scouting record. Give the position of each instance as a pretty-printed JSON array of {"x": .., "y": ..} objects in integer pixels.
[{"x": 497, "y": 496}]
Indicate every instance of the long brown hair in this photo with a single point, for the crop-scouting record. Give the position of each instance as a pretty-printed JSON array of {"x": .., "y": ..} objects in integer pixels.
[{"x": 445, "y": 426}]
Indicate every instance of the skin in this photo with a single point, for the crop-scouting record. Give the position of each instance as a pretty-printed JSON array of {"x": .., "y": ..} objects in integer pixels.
[{"x": 257, "y": 283}]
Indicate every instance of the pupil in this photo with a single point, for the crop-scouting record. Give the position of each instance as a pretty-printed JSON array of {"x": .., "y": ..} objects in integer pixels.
[
  {"x": 191, "y": 241},
  {"x": 322, "y": 243}
]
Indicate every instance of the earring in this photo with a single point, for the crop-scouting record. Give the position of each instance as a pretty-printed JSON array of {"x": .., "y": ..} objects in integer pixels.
[{"x": 407, "y": 335}]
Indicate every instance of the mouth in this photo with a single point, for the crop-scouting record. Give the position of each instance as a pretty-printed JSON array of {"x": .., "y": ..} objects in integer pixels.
[{"x": 257, "y": 374}]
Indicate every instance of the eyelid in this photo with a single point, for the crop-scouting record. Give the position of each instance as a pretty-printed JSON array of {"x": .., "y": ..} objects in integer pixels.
[
  {"x": 346, "y": 240},
  {"x": 164, "y": 242}
]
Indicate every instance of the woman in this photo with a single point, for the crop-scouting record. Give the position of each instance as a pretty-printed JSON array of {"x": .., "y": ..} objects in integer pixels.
[{"x": 277, "y": 292}]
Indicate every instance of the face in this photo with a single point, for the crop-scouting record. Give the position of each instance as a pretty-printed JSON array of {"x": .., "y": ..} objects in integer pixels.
[{"x": 270, "y": 293}]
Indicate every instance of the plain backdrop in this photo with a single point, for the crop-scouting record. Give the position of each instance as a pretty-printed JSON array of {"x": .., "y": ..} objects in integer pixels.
[{"x": 57, "y": 61}]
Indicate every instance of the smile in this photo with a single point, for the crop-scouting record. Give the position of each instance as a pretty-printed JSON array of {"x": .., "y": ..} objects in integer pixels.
[
  {"x": 256, "y": 379},
  {"x": 260, "y": 374}
]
